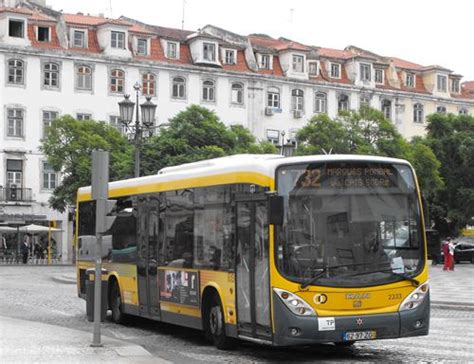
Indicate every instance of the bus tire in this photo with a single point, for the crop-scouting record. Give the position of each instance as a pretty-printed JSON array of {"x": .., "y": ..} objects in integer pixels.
[
  {"x": 214, "y": 324},
  {"x": 115, "y": 302}
]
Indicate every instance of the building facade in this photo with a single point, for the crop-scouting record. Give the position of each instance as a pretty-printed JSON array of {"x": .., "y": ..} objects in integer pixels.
[{"x": 52, "y": 64}]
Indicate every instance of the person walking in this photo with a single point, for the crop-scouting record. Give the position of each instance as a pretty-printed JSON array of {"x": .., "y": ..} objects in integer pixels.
[
  {"x": 25, "y": 250},
  {"x": 446, "y": 253},
  {"x": 451, "y": 247}
]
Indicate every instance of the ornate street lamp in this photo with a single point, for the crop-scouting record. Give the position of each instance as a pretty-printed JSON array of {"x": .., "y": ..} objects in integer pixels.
[{"x": 148, "y": 109}]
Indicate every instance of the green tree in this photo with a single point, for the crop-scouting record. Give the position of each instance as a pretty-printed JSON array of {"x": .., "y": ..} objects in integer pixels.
[
  {"x": 451, "y": 137},
  {"x": 196, "y": 134},
  {"x": 68, "y": 146}
]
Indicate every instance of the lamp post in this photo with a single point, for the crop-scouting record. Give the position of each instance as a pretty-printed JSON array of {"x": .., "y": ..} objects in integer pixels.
[
  {"x": 148, "y": 110},
  {"x": 286, "y": 149}
]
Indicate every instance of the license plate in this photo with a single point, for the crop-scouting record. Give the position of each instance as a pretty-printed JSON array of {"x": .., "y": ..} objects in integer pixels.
[{"x": 359, "y": 335}]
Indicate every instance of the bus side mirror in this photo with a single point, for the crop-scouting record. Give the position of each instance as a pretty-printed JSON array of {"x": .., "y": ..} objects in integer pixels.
[{"x": 275, "y": 210}]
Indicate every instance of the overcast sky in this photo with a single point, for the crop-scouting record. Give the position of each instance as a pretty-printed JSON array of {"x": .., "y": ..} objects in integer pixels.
[{"x": 421, "y": 31}]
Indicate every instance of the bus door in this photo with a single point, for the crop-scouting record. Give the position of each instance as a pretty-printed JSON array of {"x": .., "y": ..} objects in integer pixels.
[
  {"x": 148, "y": 252},
  {"x": 252, "y": 267}
]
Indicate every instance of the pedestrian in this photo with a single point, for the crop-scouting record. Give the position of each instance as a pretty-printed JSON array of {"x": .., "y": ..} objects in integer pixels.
[
  {"x": 446, "y": 253},
  {"x": 451, "y": 247},
  {"x": 24, "y": 250}
]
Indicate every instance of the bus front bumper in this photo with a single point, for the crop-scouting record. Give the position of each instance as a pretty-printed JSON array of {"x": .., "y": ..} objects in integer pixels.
[{"x": 299, "y": 330}]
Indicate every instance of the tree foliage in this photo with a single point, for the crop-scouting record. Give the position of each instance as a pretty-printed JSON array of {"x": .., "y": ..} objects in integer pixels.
[
  {"x": 68, "y": 145},
  {"x": 196, "y": 134},
  {"x": 451, "y": 138}
]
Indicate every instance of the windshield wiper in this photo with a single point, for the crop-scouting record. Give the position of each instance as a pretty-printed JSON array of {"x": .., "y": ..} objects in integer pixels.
[
  {"x": 326, "y": 269},
  {"x": 401, "y": 275}
]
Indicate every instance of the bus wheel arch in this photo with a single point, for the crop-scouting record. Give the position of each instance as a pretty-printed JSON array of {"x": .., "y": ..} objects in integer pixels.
[
  {"x": 213, "y": 320},
  {"x": 115, "y": 300}
]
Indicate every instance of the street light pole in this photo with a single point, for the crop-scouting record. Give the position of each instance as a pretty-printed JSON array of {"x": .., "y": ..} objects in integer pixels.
[{"x": 148, "y": 110}]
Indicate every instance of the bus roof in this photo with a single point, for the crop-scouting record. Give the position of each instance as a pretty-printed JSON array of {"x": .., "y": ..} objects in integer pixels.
[{"x": 259, "y": 164}]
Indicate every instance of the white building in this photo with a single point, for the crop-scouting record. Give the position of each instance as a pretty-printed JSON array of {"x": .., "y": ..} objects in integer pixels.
[{"x": 53, "y": 64}]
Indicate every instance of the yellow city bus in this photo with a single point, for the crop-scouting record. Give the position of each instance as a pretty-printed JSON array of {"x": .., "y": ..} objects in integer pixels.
[{"x": 270, "y": 249}]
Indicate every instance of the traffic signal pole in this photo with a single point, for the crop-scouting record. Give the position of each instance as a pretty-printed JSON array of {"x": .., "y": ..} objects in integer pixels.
[{"x": 100, "y": 193}]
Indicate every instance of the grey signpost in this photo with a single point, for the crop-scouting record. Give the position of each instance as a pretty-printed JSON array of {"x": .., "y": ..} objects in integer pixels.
[{"x": 100, "y": 193}]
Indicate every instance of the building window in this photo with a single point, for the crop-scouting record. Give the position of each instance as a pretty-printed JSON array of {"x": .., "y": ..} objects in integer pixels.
[
  {"x": 179, "y": 88},
  {"x": 114, "y": 121},
  {"x": 298, "y": 63},
  {"x": 15, "y": 123},
  {"x": 171, "y": 50},
  {"x": 208, "y": 91},
  {"x": 441, "y": 83},
  {"x": 265, "y": 61},
  {"x": 16, "y": 72},
  {"x": 84, "y": 78},
  {"x": 43, "y": 34},
  {"x": 237, "y": 96},
  {"x": 273, "y": 136},
  {"x": 48, "y": 117},
  {"x": 117, "y": 40},
  {"x": 335, "y": 70},
  {"x": 364, "y": 100},
  {"x": 441, "y": 109},
  {"x": 83, "y": 116},
  {"x": 16, "y": 28},
  {"x": 343, "y": 103},
  {"x": 273, "y": 97},
  {"x": 142, "y": 47},
  {"x": 209, "y": 51},
  {"x": 418, "y": 113},
  {"x": 49, "y": 177},
  {"x": 379, "y": 76},
  {"x": 455, "y": 86},
  {"x": 410, "y": 80},
  {"x": 387, "y": 109},
  {"x": 79, "y": 39},
  {"x": 313, "y": 68},
  {"x": 297, "y": 100},
  {"x": 148, "y": 84},
  {"x": 365, "y": 72},
  {"x": 463, "y": 111},
  {"x": 14, "y": 173},
  {"x": 51, "y": 75},
  {"x": 320, "y": 102},
  {"x": 117, "y": 81},
  {"x": 229, "y": 56}
]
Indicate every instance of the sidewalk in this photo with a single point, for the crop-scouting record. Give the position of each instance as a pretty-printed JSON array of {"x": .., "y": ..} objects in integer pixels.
[
  {"x": 27, "y": 342},
  {"x": 452, "y": 290}
]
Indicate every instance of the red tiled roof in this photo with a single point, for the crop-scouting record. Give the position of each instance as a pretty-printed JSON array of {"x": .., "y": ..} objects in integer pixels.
[
  {"x": 401, "y": 63},
  {"x": 171, "y": 33},
  {"x": 240, "y": 66},
  {"x": 335, "y": 53},
  {"x": 40, "y": 17},
  {"x": 468, "y": 85},
  {"x": 92, "y": 43},
  {"x": 139, "y": 29},
  {"x": 5, "y": 9},
  {"x": 52, "y": 44},
  {"x": 90, "y": 20},
  {"x": 277, "y": 44},
  {"x": 419, "y": 84}
]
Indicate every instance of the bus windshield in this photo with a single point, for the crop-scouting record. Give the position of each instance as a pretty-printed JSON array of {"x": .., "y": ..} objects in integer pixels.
[{"x": 349, "y": 224}]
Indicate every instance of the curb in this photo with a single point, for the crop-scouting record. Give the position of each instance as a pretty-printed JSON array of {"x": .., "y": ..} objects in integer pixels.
[
  {"x": 64, "y": 280},
  {"x": 453, "y": 306}
]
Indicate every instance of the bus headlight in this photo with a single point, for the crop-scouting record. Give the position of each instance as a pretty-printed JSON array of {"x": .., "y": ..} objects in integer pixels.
[
  {"x": 415, "y": 298},
  {"x": 296, "y": 304}
]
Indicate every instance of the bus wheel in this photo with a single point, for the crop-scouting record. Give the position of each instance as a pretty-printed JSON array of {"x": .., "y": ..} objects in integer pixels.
[
  {"x": 214, "y": 325},
  {"x": 116, "y": 304}
]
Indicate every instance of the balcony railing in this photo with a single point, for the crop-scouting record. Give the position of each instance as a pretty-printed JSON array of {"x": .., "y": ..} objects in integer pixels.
[{"x": 16, "y": 194}]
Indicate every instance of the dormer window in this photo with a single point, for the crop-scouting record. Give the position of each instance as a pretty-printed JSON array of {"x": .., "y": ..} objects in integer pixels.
[
  {"x": 264, "y": 61},
  {"x": 410, "y": 80},
  {"x": 365, "y": 72},
  {"x": 171, "y": 50},
  {"x": 455, "y": 86},
  {"x": 335, "y": 70},
  {"x": 313, "y": 68},
  {"x": 142, "y": 46},
  {"x": 209, "y": 52},
  {"x": 379, "y": 76},
  {"x": 230, "y": 56},
  {"x": 298, "y": 63},
  {"x": 441, "y": 83},
  {"x": 16, "y": 28},
  {"x": 79, "y": 39},
  {"x": 43, "y": 34},
  {"x": 117, "y": 40}
]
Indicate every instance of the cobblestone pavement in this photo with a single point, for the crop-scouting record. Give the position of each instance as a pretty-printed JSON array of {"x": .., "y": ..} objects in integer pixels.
[
  {"x": 456, "y": 287},
  {"x": 32, "y": 293}
]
